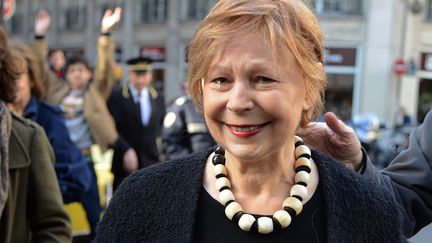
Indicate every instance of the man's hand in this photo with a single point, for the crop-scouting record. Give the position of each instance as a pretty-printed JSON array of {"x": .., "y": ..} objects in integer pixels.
[
  {"x": 42, "y": 22},
  {"x": 130, "y": 161},
  {"x": 335, "y": 139},
  {"x": 110, "y": 19}
]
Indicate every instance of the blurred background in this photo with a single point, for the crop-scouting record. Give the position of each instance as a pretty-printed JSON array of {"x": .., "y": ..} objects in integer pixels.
[{"x": 378, "y": 58}]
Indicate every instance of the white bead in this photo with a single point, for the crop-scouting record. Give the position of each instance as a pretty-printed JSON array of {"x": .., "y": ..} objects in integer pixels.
[
  {"x": 303, "y": 161},
  {"x": 225, "y": 196},
  {"x": 265, "y": 225},
  {"x": 299, "y": 190},
  {"x": 293, "y": 203},
  {"x": 246, "y": 221},
  {"x": 283, "y": 218},
  {"x": 232, "y": 209},
  {"x": 302, "y": 176},
  {"x": 302, "y": 149},
  {"x": 221, "y": 182},
  {"x": 219, "y": 169},
  {"x": 297, "y": 138}
]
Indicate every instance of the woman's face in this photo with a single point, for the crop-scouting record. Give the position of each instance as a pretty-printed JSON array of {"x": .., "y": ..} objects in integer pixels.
[{"x": 252, "y": 103}]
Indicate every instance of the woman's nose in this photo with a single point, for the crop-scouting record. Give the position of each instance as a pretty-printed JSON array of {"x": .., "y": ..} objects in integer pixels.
[{"x": 240, "y": 98}]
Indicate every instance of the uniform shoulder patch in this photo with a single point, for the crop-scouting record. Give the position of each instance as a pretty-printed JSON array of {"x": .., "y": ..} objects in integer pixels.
[
  {"x": 169, "y": 119},
  {"x": 180, "y": 101}
]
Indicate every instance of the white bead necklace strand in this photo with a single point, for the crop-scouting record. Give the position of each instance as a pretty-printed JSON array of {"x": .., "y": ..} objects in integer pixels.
[{"x": 292, "y": 206}]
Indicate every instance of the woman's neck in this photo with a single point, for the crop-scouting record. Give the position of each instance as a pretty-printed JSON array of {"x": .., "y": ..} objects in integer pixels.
[{"x": 259, "y": 186}]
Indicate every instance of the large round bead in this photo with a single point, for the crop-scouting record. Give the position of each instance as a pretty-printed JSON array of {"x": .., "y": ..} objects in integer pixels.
[
  {"x": 297, "y": 139},
  {"x": 265, "y": 225},
  {"x": 246, "y": 221},
  {"x": 283, "y": 218},
  {"x": 302, "y": 149},
  {"x": 299, "y": 190},
  {"x": 232, "y": 209},
  {"x": 222, "y": 182},
  {"x": 302, "y": 176},
  {"x": 219, "y": 169},
  {"x": 226, "y": 196},
  {"x": 303, "y": 162},
  {"x": 293, "y": 203}
]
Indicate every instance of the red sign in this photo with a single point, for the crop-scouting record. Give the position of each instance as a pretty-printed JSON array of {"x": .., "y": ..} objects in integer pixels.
[
  {"x": 8, "y": 9},
  {"x": 399, "y": 67}
]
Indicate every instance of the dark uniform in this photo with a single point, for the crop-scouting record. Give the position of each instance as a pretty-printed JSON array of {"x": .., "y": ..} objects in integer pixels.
[
  {"x": 132, "y": 133},
  {"x": 184, "y": 130}
]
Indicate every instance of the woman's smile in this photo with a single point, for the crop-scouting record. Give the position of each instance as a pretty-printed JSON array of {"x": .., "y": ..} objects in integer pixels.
[{"x": 246, "y": 130}]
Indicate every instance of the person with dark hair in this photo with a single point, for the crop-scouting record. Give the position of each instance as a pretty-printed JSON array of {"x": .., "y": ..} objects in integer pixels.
[
  {"x": 256, "y": 72},
  {"x": 31, "y": 208},
  {"x": 138, "y": 110},
  {"x": 57, "y": 62},
  {"x": 82, "y": 99},
  {"x": 72, "y": 170},
  {"x": 408, "y": 177}
]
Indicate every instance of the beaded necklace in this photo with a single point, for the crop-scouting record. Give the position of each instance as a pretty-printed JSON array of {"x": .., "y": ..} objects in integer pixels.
[{"x": 292, "y": 206}]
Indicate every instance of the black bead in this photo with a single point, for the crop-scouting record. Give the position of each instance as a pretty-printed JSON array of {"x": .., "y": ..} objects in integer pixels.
[
  {"x": 218, "y": 159},
  {"x": 307, "y": 156},
  {"x": 290, "y": 211},
  {"x": 276, "y": 224},
  {"x": 220, "y": 175},
  {"x": 254, "y": 227},
  {"x": 219, "y": 150},
  {"x": 227, "y": 203},
  {"x": 224, "y": 188},
  {"x": 298, "y": 197},
  {"x": 237, "y": 216},
  {"x": 302, "y": 183},
  {"x": 303, "y": 167},
  {"x": 298, "y": 143}
]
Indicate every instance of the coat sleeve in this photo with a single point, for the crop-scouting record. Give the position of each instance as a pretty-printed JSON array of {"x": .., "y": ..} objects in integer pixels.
[
  {"x": 175, "y": 139},
  {"x": 103, "y": 75},
  {"x": 49, "y": 221},
  {"x": 409, "y": 177}
]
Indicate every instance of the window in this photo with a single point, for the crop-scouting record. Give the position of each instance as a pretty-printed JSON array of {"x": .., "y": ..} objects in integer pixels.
[
  {"x": 198, "y": 9},
  {"x": 338, "y": 7},
  {"x": 429, "y": 11},
  {"x": 152, "y": 11},
  {"x": 74, "y": 14}
]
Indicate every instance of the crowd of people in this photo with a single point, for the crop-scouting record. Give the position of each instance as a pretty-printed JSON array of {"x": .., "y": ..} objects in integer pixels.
[{"x": 246, "y": 161}]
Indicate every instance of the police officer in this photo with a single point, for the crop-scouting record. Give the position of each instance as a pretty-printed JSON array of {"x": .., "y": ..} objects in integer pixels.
[{"x": 184, "y": 130}]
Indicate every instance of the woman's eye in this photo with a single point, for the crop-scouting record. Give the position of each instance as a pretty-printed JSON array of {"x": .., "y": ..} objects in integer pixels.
[
  {"x": 219, "y": 81},
  {"x": 262, "y": 79}
]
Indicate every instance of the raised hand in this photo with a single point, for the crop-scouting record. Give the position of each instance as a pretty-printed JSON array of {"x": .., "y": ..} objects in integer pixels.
[
  {"x": 110, "y": 19},
  {"x": 42, "y": 22},
  {"x": 335, "y": 139}
]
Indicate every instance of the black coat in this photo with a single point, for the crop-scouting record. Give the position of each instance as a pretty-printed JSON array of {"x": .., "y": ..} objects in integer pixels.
[
  {"x": 132, "y": 133},
  {"x": 184, "y": 130},
  {"x": 159, "y": 204}
]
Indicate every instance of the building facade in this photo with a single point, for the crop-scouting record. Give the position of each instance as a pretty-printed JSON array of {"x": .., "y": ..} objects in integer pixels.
[{"x": 364, "y": 38}]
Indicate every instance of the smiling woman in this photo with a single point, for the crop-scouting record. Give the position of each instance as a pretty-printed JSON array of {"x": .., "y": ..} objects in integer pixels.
[{"x": 256, "y": 73}]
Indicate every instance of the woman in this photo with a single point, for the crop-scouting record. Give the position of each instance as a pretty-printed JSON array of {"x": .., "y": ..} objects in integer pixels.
[
  {"x": 73, "y": 172},
  {"x": 256, "y": 72},
  {"x": 31, "y": 208}
]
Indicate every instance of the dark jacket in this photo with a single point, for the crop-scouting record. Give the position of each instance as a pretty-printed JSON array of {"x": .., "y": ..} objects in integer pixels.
[
  {"x": 184, "y": 130},
  {"x": 158, "y": 204},
  {"x": 133, "y": 134},
  {"x": 34, "y": 209},
  {"x": 72, "y": 171},
  {"x": 409, "y": 178}
]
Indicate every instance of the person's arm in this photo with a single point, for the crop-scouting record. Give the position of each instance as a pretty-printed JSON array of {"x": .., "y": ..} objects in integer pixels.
[
  {"x": 49, "y": 221},
  {"x": 103, "y": 74},
  {"x": 408, "y": 177},
  {"x": 175, "y": 139},
  {"x": 52, "y": 84}
]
